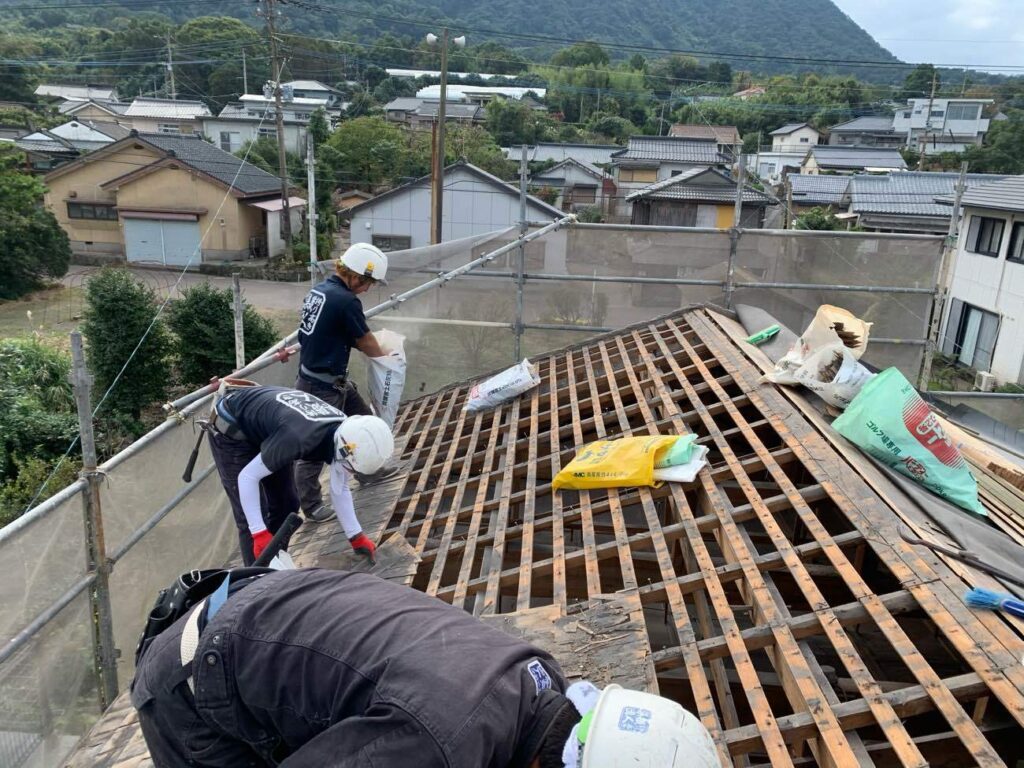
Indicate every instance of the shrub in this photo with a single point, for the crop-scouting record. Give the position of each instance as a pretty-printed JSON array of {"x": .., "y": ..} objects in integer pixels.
[
  {"x": 118, "y": 311},
  {"x": 33, "y": 247},
  {"x": 204, "y": 328}
]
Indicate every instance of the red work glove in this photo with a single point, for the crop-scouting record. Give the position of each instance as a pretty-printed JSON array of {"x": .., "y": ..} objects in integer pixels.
[
  {"x": 362, "y": 545},
  {"x": 260, "y": 541}
]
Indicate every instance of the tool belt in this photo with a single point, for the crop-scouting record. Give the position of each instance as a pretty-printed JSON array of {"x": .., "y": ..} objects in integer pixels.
[
  {"x": 338, "y": 382},
  {"x": 226, "y": 424}
]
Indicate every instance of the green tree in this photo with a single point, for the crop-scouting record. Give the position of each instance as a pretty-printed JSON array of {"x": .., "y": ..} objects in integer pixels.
[
  {"x": 611, "y": 126},
  {"x": 263, "y": 153},
  {"x": 919, "y": 82},
  {"x": 820, "y": 219},
  {"x": 512, "y": 122},
  {"x": 33, "y": 247},
  {"x": 393, "y": 88},
  {"x": 119, "y": 310},
  {"x": 221, "y": 39},
  {"x": 319, "y": 130},
  {"x": 581, "y": 55},
  {"x": 638, "y": 62},
  {"x": 204, "y": 328},
  {"x": 1003, "y": 150},
  {"x": 498, "y": 59},
  {"x": 475, "y": 145},
  {"x": 367, "y": 152}
]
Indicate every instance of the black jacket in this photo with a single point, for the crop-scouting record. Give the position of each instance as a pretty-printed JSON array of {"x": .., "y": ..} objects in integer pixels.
[{"x": 326, "y": 668}]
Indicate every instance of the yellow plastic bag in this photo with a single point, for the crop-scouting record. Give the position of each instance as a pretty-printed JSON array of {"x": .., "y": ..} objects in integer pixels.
[{"x": 626, "y": 462}]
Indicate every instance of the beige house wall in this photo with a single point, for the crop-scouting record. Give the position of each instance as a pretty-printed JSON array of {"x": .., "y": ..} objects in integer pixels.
[
  {"x": 810, "y": 166},
  {"x": 149, "y": 124},
  {"x": 95, "y": 113}
]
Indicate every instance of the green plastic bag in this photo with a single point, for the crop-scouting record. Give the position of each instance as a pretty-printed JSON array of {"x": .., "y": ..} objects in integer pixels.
[
  {"x": 889, "y": 420},
  {"x": 680, "y": 452}
]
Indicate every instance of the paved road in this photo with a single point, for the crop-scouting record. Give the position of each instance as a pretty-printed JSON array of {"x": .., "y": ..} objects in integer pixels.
[{"x": 262, "y": 294}]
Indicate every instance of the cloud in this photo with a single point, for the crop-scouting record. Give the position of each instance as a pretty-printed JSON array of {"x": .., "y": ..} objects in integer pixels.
[{"x": 978, "y": 14}]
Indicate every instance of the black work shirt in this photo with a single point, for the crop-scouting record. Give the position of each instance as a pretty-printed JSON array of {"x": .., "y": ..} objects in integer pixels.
[
  {"x": 286, "y": 424},
  {"x": 332, "y": 321}
]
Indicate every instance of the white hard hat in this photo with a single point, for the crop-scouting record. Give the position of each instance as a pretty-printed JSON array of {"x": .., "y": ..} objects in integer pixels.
[
  {"x": 640, "y": 730},
  {"x": 366, "y": 260},
  {"x": 364, "y": 443}
]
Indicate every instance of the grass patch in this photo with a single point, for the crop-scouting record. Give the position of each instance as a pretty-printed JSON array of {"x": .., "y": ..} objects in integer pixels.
[{"x": 49, "y": 315}]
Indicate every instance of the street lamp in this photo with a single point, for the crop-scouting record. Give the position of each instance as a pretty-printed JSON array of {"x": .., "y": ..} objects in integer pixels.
[{"x": 437, "y": 173}]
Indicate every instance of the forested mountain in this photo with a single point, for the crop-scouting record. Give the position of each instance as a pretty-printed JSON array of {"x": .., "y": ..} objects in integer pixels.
[{"x": 746, "y": 33}]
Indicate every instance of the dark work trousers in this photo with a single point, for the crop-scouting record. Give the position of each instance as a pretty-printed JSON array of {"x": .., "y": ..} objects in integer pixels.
[
  {"x": 277, "y": 492},
  {"x": 345, "y": 397}
]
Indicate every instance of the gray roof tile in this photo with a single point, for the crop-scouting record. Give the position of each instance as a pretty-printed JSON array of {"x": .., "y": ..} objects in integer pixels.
[
  {"x": 1004, "y": 195},
  {"x": 671, "y": 149},
  {"x": 787, "y": 129},
  {"x": 818, "y": 189},
  {"x": 853, "y": 158},
  {"x": 213, "y": 161},
  {"x": 874, "y": 123},
  {"x": 913, "y": 193},
  {"x": 706, "y": 184}
]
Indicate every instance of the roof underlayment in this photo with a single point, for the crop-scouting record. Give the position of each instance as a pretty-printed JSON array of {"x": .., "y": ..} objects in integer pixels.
[{"x": 773, "y": 597}]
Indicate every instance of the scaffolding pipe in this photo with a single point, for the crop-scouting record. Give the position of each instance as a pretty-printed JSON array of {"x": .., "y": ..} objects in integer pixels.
[{"x": 46, "y": 617}]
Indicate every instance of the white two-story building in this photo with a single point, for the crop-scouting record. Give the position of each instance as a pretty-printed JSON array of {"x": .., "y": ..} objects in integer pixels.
[
  {"x": 984, "y": 323},
  {"x": 941, "y": 125}
]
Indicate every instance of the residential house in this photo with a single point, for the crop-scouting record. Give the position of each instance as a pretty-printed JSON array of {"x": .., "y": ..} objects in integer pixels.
[
  {"x": 579, "y": 185},
  {"x": 909, "y": 201},
  {"x": 168, "y": 116},
  {"x": 597, "y": 155},
  {"x": 794, "y": 137},
  {"x": 866, "y": 131},
  {"x": 332, "y": 98},
  {"x": 344, "y": 200},
  {"x": 170, "y": 199},
  {"x": 237, "y": 124},
  {"x": 421, "y": 114},
  {"x": 479, "y": 94},
  {"x": 700, "y": 197},
  {"x": 748, "y": 93},
  {"x": 648, "y": 159},
  {"x": 817, "y": 191},
  {"x": 96, "y": 110},
  {"x": 826, "y": 158},
  {"x": 984, "y": 323},
  {"x": 416, "y": 74},
  {"x": 727, "y": 136},
  {"x": 57, "y": 92},
  {"x": 474, "y": 203},
  {"x": 298, "y": 109},
  {"x": 45, "y": 150},
  {"x": 772, "y": 167},
  {"x": 942, "y": 125}
]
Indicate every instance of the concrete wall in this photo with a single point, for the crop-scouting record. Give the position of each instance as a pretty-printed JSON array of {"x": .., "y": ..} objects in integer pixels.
[
  {"x": 149, "y": 124},
  {"x": 275, "y": 242},
  {"x": 996, "y": 285},
  {"x": 471, "y": 207},
  {"x": 801, "y": 139},
  {"x": 294, "y": 135}
]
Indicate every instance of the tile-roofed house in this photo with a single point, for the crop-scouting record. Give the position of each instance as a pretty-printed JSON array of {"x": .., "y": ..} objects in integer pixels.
[
  {"x": 475, "y": 203},
  {"x": 700, "y": 197},
  {"x": 852, "y": 159},
  {"x": 314, "y": 89},
  {"x": 96, "y": 109},
  {"x": 648, "y": 159},
  {"x": 817, "y": 190},
  {"x": 866, "y": 131},
  {"x": 909, "y": 201},
  {"x": 982, "y": 325},
  {"x": 166, "y": 115},
  {"x": 579, "y": 185},
  {"x": 238, "y": 123},
  {"x": 596, "y": 155},
  {"x": 794, "y": 137},
  {"x": 169, "y": 199},
  {"x": 45, "y": 150},
  {"x": 727, "y": 136},
  {"x": 68, "y": 92},
  {"x": 420, "y": 114}
]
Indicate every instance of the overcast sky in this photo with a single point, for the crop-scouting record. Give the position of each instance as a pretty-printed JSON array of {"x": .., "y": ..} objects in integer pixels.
[{"x": 976, "y": 32}]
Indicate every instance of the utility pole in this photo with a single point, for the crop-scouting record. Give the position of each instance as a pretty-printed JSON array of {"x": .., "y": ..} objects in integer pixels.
[
  {"x": 245, "y": 74},
  {"x": 104, "y": 651},
  {"x": 741, "y": 179},
  {"x": 661, "y": 121},
  {"x": 438, "y": 201},
  {"x": 239, "y": 313},
  {"x": 524, "y": 169},
  {"x": 170, "y": 67},
  {"x": 311, "y": 206},
  {"x": 942, "y": 287},
  {"x": 270, "y": 13},
  {"x": 790, "y": 218},
  {"x": 927, "y": 121}
]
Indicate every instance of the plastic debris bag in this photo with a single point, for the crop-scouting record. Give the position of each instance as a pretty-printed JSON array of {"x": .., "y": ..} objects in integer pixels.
[
  {"x": 834, "y": 374},
  {"x": 890, "y": 421},
  {"x": 510, "y": 383},
  {"x": 387, "y": 375},
  {"x": 831, "y": 326},
  {"x": 625, "y": 462},
  {"x": 680, "y": 452}
]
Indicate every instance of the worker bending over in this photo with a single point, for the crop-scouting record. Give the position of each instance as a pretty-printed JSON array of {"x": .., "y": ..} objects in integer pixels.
[
  {"x": 332, "y": 324},
  {"x": 261, "y": 431},
  {"x": 315, "y": 668}
]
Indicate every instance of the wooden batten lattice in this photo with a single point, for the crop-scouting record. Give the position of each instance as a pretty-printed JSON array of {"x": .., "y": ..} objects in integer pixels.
[{"x": 774, "y": 595}]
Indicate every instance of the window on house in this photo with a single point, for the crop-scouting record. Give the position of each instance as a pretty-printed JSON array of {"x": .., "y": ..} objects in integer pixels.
[
  {"x": 167, "y": 128},
  {"x": 585, "y": 194},
  {"x": 985, "y": 235},
  {"x": 98, "y": 211},
  {"x": 971, "y": 335},
  {"x": 638, "y": 175},
  {"x": 805, "y": 140},
  {"x": 392, "y": 242},
  {"x": 230, "y": 141},
  {"x": 962, "y": 112},
  {"x": 938, "y": 113},
  {"x": 906, "y": 114},
  {"x": 268, "y": 132},
  {"x": 1016, "y": 253}
]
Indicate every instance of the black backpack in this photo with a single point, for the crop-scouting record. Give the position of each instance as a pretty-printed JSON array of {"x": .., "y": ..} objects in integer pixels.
[{"x": 186, "y": 591}]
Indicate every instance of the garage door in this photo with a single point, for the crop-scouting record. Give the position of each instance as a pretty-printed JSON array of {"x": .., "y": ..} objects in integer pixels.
[{"x": 162, "y": 242}]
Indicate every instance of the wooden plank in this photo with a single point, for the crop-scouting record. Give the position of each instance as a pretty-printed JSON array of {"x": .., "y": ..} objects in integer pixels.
[
  {"x": 529, "y": 508},
  {"x": 586, "y": 514},
  {"x": 496, "y": 553}
]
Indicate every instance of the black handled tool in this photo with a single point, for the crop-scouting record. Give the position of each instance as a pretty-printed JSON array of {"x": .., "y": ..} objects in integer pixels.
[{"x": 288, "y": 527}]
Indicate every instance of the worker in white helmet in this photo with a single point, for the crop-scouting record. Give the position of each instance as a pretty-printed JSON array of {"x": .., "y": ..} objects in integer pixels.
[
  {"x": 313, "y": 668},
  {"x": 332, "y": 324},
  {"x": 258, "y": 435}
]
